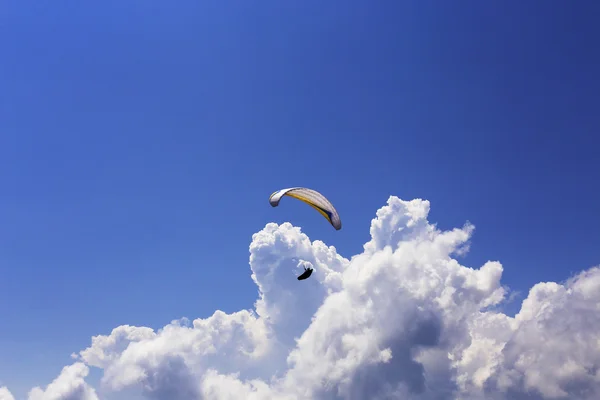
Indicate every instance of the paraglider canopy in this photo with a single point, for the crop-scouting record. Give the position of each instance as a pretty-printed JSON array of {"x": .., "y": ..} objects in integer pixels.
[{"x": 314, "y": 199}]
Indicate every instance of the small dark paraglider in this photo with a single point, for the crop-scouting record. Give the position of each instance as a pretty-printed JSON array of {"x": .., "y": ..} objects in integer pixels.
[
  {"x": 314, "y": 199},
  {"x": 307, "y": 272}
]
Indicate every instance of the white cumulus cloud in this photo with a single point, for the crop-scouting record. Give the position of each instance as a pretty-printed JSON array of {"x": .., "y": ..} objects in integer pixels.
[
  {"x": 69, "y": 385},
  {"x": 402, "y": 320},
  {"x": 5, "y": 394}
]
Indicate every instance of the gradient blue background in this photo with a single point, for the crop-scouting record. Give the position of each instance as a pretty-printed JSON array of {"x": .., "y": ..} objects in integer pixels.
[{"x": 140, "y": 140}]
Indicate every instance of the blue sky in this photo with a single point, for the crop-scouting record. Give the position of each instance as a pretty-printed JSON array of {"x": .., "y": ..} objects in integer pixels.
[{"x": 139, "y": 142}]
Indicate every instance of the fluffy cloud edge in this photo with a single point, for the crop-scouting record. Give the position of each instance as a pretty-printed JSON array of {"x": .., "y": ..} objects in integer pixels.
[{"x": 404, "y": 318}]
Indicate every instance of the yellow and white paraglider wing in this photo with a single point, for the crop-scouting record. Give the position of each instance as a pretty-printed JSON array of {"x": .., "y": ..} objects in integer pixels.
[{"x": 314, "y": 199}]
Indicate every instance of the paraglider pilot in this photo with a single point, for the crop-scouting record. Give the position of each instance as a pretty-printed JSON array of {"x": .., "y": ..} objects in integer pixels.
[{"x": 305, "y": 274}]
